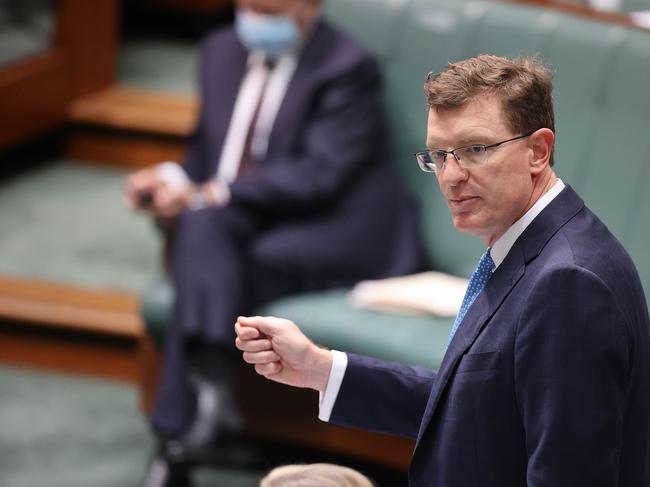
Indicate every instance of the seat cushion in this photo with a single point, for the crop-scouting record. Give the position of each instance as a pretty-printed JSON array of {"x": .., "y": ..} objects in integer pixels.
[
  {"x": 329, "y": 320},
  {"x": 156, "y": 307}
]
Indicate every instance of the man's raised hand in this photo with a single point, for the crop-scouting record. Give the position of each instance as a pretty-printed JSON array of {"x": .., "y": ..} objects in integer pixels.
[{"x": 281, "y": 352}]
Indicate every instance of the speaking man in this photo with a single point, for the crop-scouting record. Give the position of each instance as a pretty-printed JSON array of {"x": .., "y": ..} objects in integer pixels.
[{"x": 546, "y": 381}]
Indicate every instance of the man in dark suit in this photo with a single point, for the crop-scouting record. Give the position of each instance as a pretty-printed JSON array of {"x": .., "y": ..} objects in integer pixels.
[
  {"x": 546, "y": 381},
  {"x": 289, "y": 185}
]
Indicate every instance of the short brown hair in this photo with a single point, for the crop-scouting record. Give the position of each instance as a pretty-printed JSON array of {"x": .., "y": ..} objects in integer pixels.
[
  {"x": 524, "y": 86},
  {"x": 315, "y": 475}
]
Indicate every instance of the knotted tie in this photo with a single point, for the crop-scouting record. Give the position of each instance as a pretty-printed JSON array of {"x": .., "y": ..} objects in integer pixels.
[
  {"x": 248, "y": 163},
  {"x": 476, "y": 284}
]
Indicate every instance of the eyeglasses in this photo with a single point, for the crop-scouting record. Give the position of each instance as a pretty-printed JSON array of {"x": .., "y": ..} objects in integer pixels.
[{"x": 468, "y": 156}]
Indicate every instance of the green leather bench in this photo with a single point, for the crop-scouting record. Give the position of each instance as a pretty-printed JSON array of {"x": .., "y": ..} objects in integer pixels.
[{"x": 602, "y": 92}]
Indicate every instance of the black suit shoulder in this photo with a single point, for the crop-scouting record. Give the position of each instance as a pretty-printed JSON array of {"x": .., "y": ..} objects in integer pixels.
[
  {"x": 222, "y": 44},
  {"x": 224, "y": 36}
]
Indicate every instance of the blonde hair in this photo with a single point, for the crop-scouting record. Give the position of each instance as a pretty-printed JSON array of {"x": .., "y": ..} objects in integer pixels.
[
  {"x": 523, "y": 86},
  {"x": 315, "y": 475}
]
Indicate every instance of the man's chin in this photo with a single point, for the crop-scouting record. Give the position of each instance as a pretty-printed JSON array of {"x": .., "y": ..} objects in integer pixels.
[{"x": 463, "y": 223}]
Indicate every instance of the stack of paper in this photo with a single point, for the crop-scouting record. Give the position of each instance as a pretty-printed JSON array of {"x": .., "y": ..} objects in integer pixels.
[{"x": 424, "y": 293}]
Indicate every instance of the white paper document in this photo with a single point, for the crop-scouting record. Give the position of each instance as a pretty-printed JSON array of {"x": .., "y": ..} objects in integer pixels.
[{"x": 424, "y": 293}]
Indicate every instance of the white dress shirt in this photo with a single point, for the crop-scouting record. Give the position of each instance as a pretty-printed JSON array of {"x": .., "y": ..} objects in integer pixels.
[
  {"x": 254, "y": 85},
  {"x": 499, "y": 251}
]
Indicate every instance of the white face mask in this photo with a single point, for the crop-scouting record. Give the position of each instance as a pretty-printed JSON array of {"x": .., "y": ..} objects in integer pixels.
[{"x": 272, "y": 34}]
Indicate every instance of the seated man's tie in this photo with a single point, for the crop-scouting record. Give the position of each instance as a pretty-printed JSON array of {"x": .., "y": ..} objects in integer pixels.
[{"x": 248, "y": 162}]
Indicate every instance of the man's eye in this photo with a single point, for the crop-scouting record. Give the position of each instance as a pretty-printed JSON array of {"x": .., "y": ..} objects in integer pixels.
[
  {"x": 474, "y": 149},
  {"x": 439, "y": 155}
]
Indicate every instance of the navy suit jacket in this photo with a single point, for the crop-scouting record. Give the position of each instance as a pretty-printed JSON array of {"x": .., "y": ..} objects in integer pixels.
[
  {"x": 546, "y": 382},
  {"x": 329, "y": 167}
]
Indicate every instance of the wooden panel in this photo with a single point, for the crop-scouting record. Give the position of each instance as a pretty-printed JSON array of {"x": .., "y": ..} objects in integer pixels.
[
  {"x": 34, "y": 94},
  {"x": 75, "y": 354},
  {"x": 137, "y": 110},
  {"x": 122, "y": 149},
  {"x": 87, "y": 31},
  {"x": 150, "y": 363},
  {"x": 33, "y": 97},
  {"x": 130, "y": 127},
  {"x": 60, "y": 305},
  {"x": 193, "y": 6}
]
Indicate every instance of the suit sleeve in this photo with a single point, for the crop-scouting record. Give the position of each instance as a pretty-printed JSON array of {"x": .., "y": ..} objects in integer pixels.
[
  {"x": 198, "y": 152},
  {"x": 341, "y": 133},
  {"x": 382, "y": 396},
  {"x": 571, "y": 360}
]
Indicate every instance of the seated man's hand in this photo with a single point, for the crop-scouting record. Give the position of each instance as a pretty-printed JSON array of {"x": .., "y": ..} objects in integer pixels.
[
  {"x": 281, "y": 352},
  {"x": 169, "y": 200},
  {"x": 149, "y": 191},
  {"x": 140, "y": 188}
]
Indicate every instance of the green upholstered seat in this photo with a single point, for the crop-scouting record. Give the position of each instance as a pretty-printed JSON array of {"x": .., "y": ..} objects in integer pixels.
[
  {"x": 581, "y": 53},
  {"x": 435, "y": 35},
  {"x": 633, "y": 5},
  {"x": 616, "y": 183},
  {"x": 328, "y": 319},
  {"x": 612, "y": 181},
  {"x": 374, "y": 22},
  {"x": 156, "y": 305}
]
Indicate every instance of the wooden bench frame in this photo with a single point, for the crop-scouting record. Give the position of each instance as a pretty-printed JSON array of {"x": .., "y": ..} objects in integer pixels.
[
  {"x": 67, "y": 328},
  {"x": 35, "y": 93}
]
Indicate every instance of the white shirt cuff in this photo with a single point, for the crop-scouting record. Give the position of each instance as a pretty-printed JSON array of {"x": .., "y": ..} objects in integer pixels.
[
  {"x": 221, "y": 192},
  {"x": 328, "y": 397},
  {"x": 172, "y": 174}
]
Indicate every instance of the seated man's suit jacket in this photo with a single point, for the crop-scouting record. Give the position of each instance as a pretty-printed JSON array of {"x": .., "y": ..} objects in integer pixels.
[
  {"x": 329, "y": 180},
  {"x": 546, "y": 382}
]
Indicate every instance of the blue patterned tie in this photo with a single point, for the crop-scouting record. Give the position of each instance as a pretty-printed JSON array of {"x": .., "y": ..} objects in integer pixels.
[{"x": 476, "y": 284}]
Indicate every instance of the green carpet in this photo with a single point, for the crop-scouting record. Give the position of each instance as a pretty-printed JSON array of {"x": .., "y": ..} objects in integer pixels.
[
  {"x": 66, "y": 222},
  {"x": 159, "y": 64},
  {"x": 64, "y": 431}
]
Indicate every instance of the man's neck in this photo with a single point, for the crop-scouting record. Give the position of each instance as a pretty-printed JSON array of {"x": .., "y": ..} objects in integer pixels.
[
  {"x": 542, "y": 183},
  {"x": 501, "y": 246}
]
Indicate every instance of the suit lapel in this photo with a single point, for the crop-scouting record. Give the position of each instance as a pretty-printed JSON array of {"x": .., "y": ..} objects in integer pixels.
[
  {"x": 294, "y": 105},
  {"x": 220, "y": 91},
  {"x": 485, "y": 305},
  {"x": 527, "y": 247}
]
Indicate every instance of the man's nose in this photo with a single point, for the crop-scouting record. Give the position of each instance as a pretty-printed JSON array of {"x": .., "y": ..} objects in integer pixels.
[{"x": 453, "y": 172}]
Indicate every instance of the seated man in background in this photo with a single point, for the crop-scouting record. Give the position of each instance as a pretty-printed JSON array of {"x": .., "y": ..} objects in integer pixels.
[{"x": 289, "y": 185}]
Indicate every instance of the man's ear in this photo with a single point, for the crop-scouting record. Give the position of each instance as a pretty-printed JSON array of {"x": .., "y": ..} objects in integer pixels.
[{"x": 541, "y": 142}]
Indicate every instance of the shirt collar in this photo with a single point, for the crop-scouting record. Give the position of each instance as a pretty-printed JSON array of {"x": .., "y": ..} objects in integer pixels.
[
  {"x": 502, "y": 246},
  {"x": 258, "y": 60}
]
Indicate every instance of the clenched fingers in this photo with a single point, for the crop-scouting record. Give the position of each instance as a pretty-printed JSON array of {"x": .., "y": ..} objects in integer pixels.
[
  {"x": 245, "y": 333},
  {"x": 261, "y": 357},
  {"x": 269, "y": 369},
  {"x": 253, "y": 345},
  {"x": 269, "y": 325}
]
